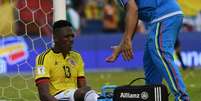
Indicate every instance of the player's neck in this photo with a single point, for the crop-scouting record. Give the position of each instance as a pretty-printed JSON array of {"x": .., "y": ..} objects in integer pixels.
[
  {"x": 65, "y": 54},
  {"x": 57, "y": 50}
]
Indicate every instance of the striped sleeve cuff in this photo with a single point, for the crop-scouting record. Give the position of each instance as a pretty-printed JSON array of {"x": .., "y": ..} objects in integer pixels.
[
  {"x": 42, "y": 80},
  {"x": 80, "y": 77}
]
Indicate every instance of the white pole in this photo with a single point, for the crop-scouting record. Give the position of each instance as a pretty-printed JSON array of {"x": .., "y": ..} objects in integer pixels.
[{"x": 59, "y": 12}]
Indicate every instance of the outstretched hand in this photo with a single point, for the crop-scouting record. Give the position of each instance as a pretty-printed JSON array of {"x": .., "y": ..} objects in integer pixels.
[
  {"x": 115, "y": 54},
  {"x": 125, "y": 48}
]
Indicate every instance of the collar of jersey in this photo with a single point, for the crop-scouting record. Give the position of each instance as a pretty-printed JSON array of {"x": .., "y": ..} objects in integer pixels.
[{"x": 59, "y": 53}]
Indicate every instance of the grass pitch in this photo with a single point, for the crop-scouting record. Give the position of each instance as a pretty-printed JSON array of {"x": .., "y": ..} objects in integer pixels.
[{"x": 22, "y": 87}]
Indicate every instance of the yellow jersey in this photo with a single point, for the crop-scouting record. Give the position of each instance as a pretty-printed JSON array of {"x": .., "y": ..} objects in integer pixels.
[{"x": 61, "y": 72}]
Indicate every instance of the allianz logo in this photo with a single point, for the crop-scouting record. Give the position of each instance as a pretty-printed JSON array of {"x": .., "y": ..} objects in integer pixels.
[
  {"x": 144, "y": 95},
  {"x": 129, "y": 95}
]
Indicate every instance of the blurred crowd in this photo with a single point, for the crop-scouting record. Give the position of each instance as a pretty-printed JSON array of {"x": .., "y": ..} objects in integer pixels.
[
  {"x": 87, "y": 16},
  {"x": 111, "y": 16}
]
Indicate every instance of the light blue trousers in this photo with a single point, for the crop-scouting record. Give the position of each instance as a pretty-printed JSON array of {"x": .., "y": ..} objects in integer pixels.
[{"x": 158, "y": 56}]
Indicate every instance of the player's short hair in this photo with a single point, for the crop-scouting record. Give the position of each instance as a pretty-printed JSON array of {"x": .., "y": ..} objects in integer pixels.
[{"x": 60, "y": 24}]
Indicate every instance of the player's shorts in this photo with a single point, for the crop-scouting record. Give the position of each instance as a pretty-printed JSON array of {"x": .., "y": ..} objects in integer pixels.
[{"x": 66, "y": 95}]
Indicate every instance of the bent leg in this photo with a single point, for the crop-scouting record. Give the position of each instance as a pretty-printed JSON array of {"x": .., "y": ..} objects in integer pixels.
[
  {"x": 162, "y": 53},
  {"x": 152, "y": 75},
  {"x": 85, "y": 94}
]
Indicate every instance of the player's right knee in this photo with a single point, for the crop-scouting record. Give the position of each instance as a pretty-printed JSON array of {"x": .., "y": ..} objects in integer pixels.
[
  {"x": 80, "y": 93},
  {"x": 85, "y": 94}
]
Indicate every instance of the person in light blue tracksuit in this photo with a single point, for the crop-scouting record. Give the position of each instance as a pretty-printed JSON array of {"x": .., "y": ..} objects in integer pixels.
[{"x": 164, "y": 19}]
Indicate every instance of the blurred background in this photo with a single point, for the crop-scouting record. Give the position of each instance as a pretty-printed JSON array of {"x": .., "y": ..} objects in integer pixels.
[{"x": 26, "y": 31}]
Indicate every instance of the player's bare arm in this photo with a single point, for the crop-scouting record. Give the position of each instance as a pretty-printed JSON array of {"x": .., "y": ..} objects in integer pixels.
[
  {"x": 43, "y": 89},
  {"x": 81, "y": 82},
  {"x": 125, "y": 46},
  {"x": 131, "y": 23}
]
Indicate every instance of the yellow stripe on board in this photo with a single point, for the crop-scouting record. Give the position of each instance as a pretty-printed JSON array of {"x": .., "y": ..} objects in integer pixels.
[{"x": 11, "y": 48}]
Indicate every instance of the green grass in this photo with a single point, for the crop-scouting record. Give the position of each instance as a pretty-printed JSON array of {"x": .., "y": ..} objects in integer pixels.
[{"x": 22, "y": 87}]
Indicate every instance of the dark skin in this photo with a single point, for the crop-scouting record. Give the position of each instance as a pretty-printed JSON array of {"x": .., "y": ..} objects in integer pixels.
[{"x": 63, "y": 38}]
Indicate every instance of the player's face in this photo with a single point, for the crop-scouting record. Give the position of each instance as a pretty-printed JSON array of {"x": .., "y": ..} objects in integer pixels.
[{"x": 64, "y": 38}]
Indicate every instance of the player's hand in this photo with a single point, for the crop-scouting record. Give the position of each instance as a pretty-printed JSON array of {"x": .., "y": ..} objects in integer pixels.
[
  {"x": 115, "y": 54},
  {"x": 126, "y": 49}
]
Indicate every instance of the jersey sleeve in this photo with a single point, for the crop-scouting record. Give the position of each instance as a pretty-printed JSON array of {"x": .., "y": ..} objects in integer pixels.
[
  {"x": 123, "y": 3},
  {"x": 41, "y": 68},
  {"x": 80, "y": 67}
]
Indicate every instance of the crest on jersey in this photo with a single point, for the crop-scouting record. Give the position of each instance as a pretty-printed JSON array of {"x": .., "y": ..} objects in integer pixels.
[{"x": 71, "y": 61}]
